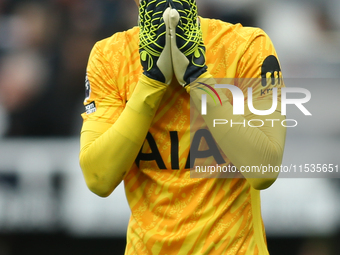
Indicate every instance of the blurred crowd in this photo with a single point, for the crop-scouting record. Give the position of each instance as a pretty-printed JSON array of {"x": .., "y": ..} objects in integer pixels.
[{"x": 44, "y": 47}]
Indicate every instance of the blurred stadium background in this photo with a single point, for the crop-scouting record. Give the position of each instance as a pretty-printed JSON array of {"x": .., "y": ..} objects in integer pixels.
[{"x": 45, "y": 207}]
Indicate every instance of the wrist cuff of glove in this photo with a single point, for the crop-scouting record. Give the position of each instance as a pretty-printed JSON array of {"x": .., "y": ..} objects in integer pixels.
[
  {"x": 205, "y": 75},
  {"x": 155, "y": 76},
  {"x": 151, "y": 82}
]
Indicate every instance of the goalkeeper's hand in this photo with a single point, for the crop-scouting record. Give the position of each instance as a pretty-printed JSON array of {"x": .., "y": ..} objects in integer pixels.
[
  {"x": 187, "y": 47},
  {"x": 154, "y": 40}
]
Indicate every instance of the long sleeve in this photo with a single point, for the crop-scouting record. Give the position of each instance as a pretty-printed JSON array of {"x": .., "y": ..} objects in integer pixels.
[
  {"x": 108, "y": 151},
  {"x": 242, "y": 144},
  {"x": 246, "y": 145}
]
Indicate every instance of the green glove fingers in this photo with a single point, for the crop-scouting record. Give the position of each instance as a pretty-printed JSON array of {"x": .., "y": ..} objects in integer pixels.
[
  {"x": 154, "y": 40},
  {"x": 187, "y": 47},
  {"x": 171, "y": 40}
]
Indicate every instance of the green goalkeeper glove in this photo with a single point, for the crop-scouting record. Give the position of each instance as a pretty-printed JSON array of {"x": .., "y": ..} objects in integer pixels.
[
  {"x": 154, "y": 40},
  {"x": 187, "y": 47}
]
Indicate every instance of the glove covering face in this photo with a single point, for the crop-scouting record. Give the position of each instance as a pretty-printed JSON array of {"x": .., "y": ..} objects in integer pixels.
[
  {"x": 187, "y": 47},
  {"x": 154, "y": 40}
]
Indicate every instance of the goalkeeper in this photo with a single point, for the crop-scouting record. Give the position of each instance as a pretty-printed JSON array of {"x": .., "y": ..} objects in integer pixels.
[{"x": 136, "y": 128}]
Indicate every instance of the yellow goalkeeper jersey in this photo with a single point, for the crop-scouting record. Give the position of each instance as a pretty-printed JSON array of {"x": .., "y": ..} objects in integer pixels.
[{"x": 172, "y": 213}]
